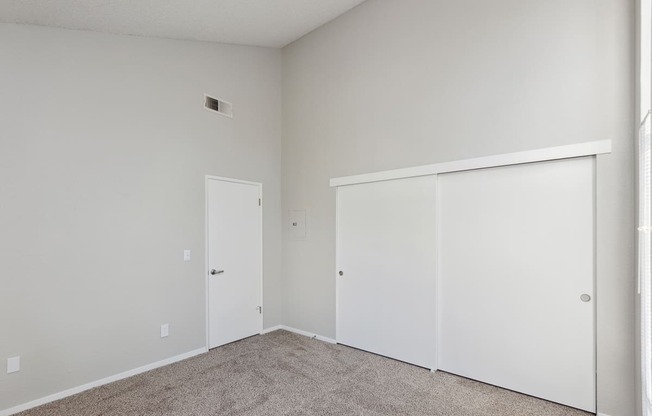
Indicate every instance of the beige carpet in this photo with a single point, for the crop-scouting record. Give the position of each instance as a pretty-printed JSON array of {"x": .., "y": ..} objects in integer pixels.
[{"x": 286, "y": 374}]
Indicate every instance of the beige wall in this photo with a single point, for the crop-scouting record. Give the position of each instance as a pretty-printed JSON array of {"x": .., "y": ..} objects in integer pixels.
[
  {"x": 393, "y": 84},
  {"x": 104, "y": 144}
]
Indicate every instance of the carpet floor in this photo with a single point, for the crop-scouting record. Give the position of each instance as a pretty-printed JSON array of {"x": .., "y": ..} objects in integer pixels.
[{"x": 282, "y": 373}]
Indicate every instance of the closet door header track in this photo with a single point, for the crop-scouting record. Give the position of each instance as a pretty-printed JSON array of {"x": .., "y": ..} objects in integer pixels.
[{"x": 516, "y": 158}]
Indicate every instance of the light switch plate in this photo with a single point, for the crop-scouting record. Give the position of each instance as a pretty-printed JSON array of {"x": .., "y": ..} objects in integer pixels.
[
  {"x": 165, "y": 330},
  {"x": 13, "y": 365},
  {"x": 186, "y": 255}
]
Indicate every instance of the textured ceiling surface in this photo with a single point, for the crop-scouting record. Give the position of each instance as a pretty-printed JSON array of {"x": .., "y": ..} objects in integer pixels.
[{"x": 273, "y": 23}]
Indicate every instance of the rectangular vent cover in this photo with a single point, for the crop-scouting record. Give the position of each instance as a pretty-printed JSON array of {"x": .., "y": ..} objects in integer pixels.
[{"x": 220, "y": 106}]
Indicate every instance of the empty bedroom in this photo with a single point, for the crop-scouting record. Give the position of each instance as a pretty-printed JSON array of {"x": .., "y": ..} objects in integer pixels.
[{"x": 343, "y": 207}]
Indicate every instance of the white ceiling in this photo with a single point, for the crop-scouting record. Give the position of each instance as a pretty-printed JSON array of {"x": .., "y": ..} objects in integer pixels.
[{"x": 272, "y": 23}]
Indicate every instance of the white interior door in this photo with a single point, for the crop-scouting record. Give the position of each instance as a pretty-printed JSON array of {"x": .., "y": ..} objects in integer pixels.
[
  {"x": 516, "y": 278},
  {"x": 386, "y": 254},
  {"x": 234, "y": 260}
]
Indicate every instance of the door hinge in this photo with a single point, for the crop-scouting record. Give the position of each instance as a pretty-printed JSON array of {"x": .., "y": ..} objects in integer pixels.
[
  {"x": 260, "y": 202},
  {"x": 260, "y": 309}
]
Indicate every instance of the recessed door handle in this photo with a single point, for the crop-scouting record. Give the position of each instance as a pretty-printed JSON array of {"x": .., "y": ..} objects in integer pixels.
[{"x": 213, "y": 271}]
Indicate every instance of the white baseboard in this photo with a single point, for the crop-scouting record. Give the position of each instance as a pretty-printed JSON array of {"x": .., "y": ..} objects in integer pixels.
[
  {"x": 298, "y": 331},
  {"x": 601, "y": 414},
  {"x": 271, "y": 329},
  {"x": 101, "y": 382}
]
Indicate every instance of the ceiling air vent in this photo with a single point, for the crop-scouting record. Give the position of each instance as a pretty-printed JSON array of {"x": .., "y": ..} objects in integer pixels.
[{"x": 221, "y": 107}]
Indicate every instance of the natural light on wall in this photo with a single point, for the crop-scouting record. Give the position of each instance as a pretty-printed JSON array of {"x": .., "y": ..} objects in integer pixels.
[
  {"x": 645, "y": 261},
  {"x": 645, "y": 203}
]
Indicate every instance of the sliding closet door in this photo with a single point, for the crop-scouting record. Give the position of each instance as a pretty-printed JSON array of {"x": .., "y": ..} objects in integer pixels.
[
  {"x": 386, "y": 268},
  {"x": 516, "y": 278}
]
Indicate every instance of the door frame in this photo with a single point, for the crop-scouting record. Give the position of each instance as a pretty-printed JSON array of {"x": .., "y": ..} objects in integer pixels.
[{"x": 259, "y": 185}]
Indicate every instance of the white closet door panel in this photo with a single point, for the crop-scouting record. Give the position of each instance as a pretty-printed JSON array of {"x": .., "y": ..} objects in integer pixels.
[
  {"x": 516, "y": 254},
  {"x": 386, "y": 252}
]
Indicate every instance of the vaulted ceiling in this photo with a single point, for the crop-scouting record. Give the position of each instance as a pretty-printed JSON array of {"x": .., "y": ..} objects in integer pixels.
[{"x": 273, "y": 23}]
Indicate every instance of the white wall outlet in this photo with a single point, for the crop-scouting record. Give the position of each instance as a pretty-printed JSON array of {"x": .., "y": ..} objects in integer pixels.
[
  {"x": 186, "y": 255},
  {"x": 13, "y": 365},
  {"x": 165, "y": 330}
]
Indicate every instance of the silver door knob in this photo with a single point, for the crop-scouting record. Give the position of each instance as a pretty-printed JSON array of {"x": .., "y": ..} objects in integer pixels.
[
  {"x": 585, "y": 298},
  {"x": 213, "y": 271}
]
